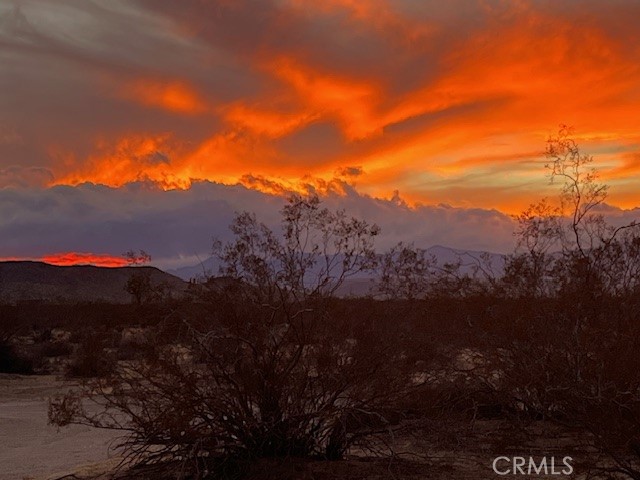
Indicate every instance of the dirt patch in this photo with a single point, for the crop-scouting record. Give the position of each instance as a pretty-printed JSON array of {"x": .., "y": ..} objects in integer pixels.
[{"x": 32, "y": 449}]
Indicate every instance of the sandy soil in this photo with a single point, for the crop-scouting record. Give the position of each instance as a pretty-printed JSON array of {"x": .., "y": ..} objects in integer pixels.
[{"x": 31, "y": 449}]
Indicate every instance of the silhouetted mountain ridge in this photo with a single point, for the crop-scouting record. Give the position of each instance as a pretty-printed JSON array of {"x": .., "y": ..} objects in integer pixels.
[{"x": 22, "y": 281}]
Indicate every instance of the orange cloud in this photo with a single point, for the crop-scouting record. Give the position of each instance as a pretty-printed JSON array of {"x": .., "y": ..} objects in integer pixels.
[
  {"x": 305, "y": 186},
  {"x": 540, "y": 71},
  {"x": 451, "y": 110},
  {"x": 627, "y": 165},
  {"x": 130, "y": 158},
  {"x": 269, "y": 122},
  {"x": 350, "y": 101},
  {"x": 175, "y": 96}
]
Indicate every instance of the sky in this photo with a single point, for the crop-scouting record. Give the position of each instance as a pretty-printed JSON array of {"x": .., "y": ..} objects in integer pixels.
[{"x": 148, "y": 123}]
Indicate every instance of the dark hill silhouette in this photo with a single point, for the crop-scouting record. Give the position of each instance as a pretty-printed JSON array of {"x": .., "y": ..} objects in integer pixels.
[{"x": 22, "y": 281}]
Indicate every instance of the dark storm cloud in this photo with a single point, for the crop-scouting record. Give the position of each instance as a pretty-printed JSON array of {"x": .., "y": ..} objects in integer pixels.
[
  {"x": 17, "y": 176},
  {"x": 169, "y": 224}
]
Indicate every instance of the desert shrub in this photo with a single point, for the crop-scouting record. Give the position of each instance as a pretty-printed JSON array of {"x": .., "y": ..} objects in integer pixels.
[
  {"x": 262, "y": 387},
  {"x": 133, "y": 341},
  {"x": 42, "y": 336},
  {"x": 570, "y": 355},
  {"x": 55, "y": 349},
  {"x": 129, "y": 350},
  {"x": 91, "y": 357},
  {"x": 275, "y": 370},
  {"x": 12, "y": 361}
]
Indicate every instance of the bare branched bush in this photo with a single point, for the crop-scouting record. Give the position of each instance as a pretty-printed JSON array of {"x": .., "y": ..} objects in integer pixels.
[
  {"x": 274, "y": 370},
  {"x": 406, "y": 272},
  {"x": 569, "y": 356},
  {"x": 316, "y": 251}
]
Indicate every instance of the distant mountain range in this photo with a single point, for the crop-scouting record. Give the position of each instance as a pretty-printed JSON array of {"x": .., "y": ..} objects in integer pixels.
[
  {"x": 442, "y": 255},
  {"x": 361, "y": 284},
  {"x": 469, "y": 259},
  {"x": 25, "y": 281}
]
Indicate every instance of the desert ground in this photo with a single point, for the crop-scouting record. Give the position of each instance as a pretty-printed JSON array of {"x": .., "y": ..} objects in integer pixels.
[{"x": 32, "y": 449}]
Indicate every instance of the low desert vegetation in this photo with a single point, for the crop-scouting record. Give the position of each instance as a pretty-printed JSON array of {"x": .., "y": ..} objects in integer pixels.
[
  {"x": 265, "y": 365},
  {"x": 12, "y": 360}
]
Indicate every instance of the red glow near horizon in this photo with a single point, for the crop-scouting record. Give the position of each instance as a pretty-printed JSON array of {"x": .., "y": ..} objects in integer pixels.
[
  {"x": 78, "y": 258},
  {"x": 66, "y": 259}
]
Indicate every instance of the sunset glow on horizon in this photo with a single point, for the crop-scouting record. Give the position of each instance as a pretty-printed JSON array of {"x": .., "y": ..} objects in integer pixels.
[
  {"x": 68, "y": 259},
  {"x": 433, "y": 103}
]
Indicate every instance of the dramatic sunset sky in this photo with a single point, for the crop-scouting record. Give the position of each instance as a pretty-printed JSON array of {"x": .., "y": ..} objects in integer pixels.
[{"x": 147, "y": 123}]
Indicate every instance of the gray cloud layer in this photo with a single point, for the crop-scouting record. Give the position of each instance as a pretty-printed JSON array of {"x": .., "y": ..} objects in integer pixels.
[{"x": 175, "y": 226}]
